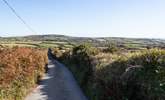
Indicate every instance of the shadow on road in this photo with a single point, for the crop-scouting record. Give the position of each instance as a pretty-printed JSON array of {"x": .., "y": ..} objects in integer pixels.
[{"x": 57, "y": 84}]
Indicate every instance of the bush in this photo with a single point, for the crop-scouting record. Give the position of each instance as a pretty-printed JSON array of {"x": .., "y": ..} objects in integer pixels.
[
  {"x": 112, "y": 48},
  {"x": 149, "y": 78},
  {"x": 57, "y": 53},
  {"x": 19, "y": 71},
  {"x": 139, "y": 77},
  {"x": 79, "y": 62}
]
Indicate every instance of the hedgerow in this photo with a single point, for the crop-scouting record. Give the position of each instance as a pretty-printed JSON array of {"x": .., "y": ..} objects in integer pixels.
[
  {"x": 134, "y": 76},
  {"x": 140, "y": 76},
  {"x": 20, "y": 69},
  {"x": 79, "y": 62}
]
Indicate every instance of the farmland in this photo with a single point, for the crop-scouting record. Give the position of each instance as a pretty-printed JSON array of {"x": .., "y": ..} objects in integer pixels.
[{"x": 45, "y": 41}]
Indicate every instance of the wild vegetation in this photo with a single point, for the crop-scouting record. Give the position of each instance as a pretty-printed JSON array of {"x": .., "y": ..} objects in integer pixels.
[
  {"x": 120, "y": 75},
  {"x": 127, "y": 70},
  {"x": 20, "y": 70}
]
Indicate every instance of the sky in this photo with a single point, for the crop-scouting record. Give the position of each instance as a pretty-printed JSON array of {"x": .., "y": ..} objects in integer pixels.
[{"x": 87, "y": 18}]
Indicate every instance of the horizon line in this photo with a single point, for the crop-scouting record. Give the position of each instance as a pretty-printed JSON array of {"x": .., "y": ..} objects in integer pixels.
[{"x": 81, "y": 36}]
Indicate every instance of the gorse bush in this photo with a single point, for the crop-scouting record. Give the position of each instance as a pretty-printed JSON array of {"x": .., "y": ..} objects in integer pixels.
[
  {"x": 148, "y": 75},
  {"x": 137, "y": 76},
  {"x": 82, "y": 63},
  {"x": 79, "y": 62},
  {"x": 85, "y": 49},
  {"x": 57, "y": 52},
  {"x": 20, "y": 69},
  {"x": 111, "y": 48}
]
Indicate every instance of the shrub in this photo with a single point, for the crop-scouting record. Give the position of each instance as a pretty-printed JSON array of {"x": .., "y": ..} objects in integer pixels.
[
  {"x": 19, "y": 71},
  {"x": 149, "y": 78},
  {"x": 111, "y": 48},
  {"x": 57, "y": 53},
  {"x": 137, "y": 76},
  {"x": 79, "y": 62}
]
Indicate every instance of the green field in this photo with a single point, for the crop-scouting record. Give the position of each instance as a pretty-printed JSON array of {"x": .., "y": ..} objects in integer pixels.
[{"x": 46, "y": 41}]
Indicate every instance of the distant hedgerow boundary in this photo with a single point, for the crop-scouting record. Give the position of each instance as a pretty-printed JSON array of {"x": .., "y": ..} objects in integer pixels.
[
  {"x": 20, "y": 69},
  {"x": 132, "y": 76}
]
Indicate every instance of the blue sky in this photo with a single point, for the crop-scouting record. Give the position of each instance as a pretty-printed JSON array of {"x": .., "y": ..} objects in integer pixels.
[{"x": 94, "y": 18}]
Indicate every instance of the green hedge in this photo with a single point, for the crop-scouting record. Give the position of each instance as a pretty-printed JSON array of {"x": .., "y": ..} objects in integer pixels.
[{"x": 139, "y": 76}]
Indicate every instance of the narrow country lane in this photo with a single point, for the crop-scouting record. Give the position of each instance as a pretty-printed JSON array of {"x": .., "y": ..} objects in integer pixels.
[{"x": 57, "y": 84}]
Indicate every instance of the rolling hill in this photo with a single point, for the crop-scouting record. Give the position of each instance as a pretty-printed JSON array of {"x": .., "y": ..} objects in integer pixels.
[{"x": 99, "y": 41}]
